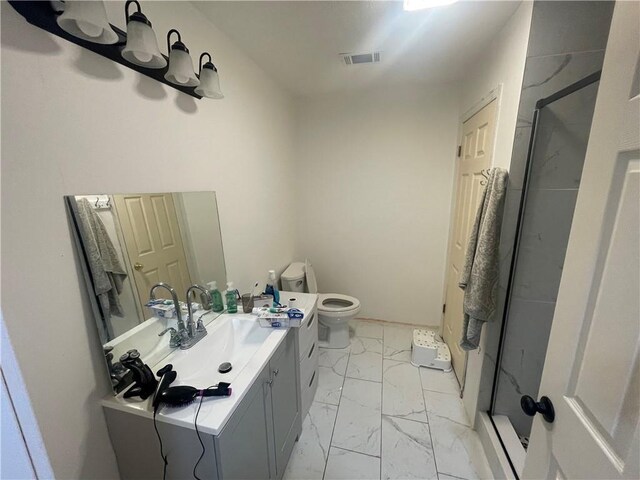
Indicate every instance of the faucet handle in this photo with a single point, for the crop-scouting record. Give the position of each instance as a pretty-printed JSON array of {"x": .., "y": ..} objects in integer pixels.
[
  {"x": 200, "y": 324},
  {"x": 174, "y": 341}
]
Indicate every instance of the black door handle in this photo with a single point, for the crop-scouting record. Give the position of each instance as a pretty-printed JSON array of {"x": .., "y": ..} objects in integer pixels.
[{"x": 544, "y": 406}]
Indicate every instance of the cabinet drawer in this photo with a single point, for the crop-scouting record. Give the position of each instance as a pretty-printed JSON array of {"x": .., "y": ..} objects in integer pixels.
[
  {"x": 308, "y": 333},
  {"x": 309, "y": 387}
]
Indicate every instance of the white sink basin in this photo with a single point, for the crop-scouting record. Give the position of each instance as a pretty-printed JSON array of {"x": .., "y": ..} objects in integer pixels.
[
  {"x": 229, "y": 339},
  {"x": 235, "y": 338}
]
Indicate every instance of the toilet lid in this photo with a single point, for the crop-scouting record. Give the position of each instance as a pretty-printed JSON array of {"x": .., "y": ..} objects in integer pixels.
[
  {"x": 312, "y": 285},
  {"x": 335, "y": 302}
]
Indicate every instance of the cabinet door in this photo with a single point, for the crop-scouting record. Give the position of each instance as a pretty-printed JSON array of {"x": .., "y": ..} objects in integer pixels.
[
  {"x": 244, "y": 449},
  {"x": 285, "y": 402},
  {"x": 138, "y": 453}
]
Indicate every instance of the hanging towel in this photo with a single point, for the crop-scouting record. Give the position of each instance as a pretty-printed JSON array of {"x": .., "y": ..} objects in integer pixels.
[
  {"x": 479, "y": 277},
  {"x": 106, "y": 271}
]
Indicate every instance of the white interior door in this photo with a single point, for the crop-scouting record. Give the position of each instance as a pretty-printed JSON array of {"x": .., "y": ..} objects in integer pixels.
[
  {"x": 591, "y": 372},
  {"x": 153, "y": 240},
  {"x": 476, "y": 154}
]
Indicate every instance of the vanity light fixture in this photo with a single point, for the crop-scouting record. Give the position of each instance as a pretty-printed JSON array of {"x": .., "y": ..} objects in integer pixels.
[
  {"x": 85, "y": 23},
  {"x": 87, "y": 19},
  {"x": 209, "y": 81},
  {"x": 413, "y": 5},
  {"x": 180, "y": 66},
  {"x": 142, "y": 45}
]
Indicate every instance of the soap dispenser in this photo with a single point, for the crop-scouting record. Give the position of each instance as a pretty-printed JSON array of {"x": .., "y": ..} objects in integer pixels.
[
  {"x": 232, "y": 302},
  {"x": 272, "y": 288},
  {"x": 216, "y": 297}
]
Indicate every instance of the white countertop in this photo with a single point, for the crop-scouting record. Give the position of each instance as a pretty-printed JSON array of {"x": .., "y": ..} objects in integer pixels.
[{"x": 215, "y": 411}]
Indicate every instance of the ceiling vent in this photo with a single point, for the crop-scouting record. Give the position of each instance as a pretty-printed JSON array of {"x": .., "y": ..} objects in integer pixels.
[{"x": 360, "y": 58}]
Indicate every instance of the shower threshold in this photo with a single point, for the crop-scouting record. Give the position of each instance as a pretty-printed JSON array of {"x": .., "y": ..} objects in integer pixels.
[{"x": 511, "y": 442}]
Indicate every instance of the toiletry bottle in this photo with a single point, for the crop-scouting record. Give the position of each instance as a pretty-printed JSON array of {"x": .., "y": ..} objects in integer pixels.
[
  {"x": 272, "y": 288},
  {"x": 232, "y": 302},
  {"x": 216, "y": 297}
]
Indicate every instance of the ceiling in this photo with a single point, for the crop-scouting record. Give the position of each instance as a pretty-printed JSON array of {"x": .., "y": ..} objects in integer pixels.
[{"x": 298, "y": 42}]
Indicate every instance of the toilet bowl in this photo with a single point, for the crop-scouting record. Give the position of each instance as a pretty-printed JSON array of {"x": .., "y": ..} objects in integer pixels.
[{"x": 334, "y": 309}]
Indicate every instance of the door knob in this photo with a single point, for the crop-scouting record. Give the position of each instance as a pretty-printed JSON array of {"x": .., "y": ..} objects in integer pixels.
[
  {"x": 138, "y": 266},
  {"x": 544, "y": 406}
]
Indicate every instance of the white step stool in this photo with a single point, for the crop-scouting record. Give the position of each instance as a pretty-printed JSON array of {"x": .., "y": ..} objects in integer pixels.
[{"x": 429, "y": 351}]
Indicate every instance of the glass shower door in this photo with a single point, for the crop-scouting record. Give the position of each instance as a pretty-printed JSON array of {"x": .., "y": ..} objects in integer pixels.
[{"x": 561, "y": 130}]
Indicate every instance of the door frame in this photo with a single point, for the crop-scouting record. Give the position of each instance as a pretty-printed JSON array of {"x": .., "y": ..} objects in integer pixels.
[
  {"x": 495, "y": 94},
  {"x": 22, "y": 408}
]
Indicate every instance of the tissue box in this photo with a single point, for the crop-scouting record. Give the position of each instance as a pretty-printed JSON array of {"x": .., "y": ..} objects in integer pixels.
[
  {"x": 268, "y": 319},
  {"x": 167, "y": 310},
  {"x": 163, "y": 311}
]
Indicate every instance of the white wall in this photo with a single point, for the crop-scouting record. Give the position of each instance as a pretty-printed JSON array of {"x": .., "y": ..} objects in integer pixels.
[
  {"x": 375, "y": 172},
  {"x": 76, "y": 123},
  {"x": 502, "y": 64}
]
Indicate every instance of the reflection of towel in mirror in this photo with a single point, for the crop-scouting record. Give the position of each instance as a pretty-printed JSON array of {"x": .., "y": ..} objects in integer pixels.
[
  {"x": 106, "y": 271},
  {"x": 479, "y": 277}
]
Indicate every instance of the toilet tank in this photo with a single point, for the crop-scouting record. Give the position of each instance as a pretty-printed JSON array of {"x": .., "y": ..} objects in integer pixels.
[{"x": 293, "y": 278}]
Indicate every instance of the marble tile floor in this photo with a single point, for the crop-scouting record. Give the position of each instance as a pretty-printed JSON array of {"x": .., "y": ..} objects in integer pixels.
[{"x": 376, "y": 416}]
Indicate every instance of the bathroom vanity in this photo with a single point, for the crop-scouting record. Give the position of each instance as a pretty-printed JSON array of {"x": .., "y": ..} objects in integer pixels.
[
  {"x": 247, "y": 435},
  {"x": 121, "y": 241}
]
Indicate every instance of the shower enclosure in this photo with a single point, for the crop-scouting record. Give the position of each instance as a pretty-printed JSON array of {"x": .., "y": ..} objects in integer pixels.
[{"x": 557, "y": 147}]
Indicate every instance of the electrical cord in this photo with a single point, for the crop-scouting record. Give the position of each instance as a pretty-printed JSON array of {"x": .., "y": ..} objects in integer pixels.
[
  {"x": 164, "y": 457},
  {"x": 195, "y": 423}
]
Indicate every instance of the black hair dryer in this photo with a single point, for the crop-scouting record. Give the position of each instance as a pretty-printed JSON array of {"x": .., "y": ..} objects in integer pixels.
[{"x": 144, "y": 380}]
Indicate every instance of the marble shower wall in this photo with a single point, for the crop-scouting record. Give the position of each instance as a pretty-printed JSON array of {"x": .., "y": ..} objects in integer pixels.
[{"x": 566, "y": 43}]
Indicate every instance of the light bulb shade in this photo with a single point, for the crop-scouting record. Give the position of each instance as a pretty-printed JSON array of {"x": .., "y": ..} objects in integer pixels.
[
  {"x": 209, "y": 84},
  {"x": 87, "y": 19},
  {"x": 142, "y": 46},
  {"x": 181, "y": 69}
]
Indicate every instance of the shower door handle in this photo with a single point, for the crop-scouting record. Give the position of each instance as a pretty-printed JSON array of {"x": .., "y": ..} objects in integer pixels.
[{"x": 544, "y": 406}]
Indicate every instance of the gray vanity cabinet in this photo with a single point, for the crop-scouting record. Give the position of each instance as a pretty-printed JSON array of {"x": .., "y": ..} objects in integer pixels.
[
  {"x": 258, "y": 439},
  {"x": 244, "y": 446},
  {"x": 285, "y": 402},
  {"x": 254, "y": 444},
  {"x": 137, "y": 450}
]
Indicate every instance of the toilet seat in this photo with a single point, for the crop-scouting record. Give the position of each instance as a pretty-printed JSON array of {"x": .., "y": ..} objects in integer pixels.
[
  {"x": 334, "y": 312},
  {"x": 337, "y": 303}
]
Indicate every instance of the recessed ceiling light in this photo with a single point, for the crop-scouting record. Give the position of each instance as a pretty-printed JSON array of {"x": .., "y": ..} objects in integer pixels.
[{"x": 413, "y": 5}]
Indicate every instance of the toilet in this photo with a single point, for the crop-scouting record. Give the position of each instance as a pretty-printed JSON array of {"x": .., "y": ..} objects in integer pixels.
[{"x": 334, "y": 310}]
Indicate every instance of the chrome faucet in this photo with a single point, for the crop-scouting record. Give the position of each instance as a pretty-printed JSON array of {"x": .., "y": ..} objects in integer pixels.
[
  {"x": 196, "y": 331},
  {"x": 182, "y": 330}
]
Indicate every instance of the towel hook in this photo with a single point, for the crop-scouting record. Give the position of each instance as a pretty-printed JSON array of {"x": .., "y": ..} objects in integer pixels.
[{"x": 485, "y": 174}]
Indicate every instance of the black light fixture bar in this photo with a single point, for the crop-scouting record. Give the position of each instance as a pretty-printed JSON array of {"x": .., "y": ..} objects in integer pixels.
[{"x": 41, "y": 14}]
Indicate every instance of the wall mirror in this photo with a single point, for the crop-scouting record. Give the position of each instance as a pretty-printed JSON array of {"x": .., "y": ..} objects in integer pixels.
[{"x": 127, "y": 243}]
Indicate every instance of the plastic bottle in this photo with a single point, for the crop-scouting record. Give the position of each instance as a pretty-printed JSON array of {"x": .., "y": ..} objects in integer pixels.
[
  {"x": 216, "y": 297},
  {"x": 272, "y": 288},
  {"x": 232, "y": 302}
]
